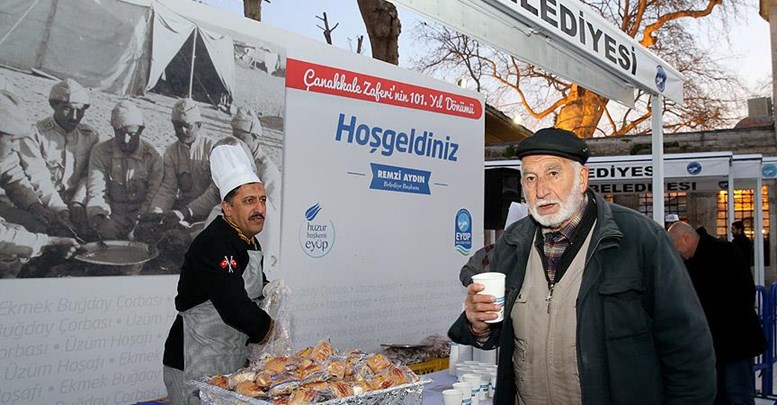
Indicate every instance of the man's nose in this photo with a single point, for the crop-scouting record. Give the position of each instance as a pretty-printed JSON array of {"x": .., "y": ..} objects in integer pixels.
[{"x": 542, "y": 189}]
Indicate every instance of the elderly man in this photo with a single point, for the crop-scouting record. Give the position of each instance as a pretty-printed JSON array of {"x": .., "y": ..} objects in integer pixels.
[
  {"x": 722, "y": 279},
  {"x": 18, "y": 244},
  {"x": 56, "y": 157},
  {"x": 123, "y": 174},
  {"x": 221, "y": 282},
  {"x": 599, "y": 308},
  {"x": 186, "y": 191}
]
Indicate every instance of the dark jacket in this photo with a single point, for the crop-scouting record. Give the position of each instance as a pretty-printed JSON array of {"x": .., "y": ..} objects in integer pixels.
[
  {"x": 206, "y": 276},
  {"x": 641, "y": 333},
  {"x": 725, "y": 287},
  {"x": 745, "y": 245}
]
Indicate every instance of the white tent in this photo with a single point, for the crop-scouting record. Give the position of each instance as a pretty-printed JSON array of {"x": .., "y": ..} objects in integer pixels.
[{"x": 122, "y": 47}]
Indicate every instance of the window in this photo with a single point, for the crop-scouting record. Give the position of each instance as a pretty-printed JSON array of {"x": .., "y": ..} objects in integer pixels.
[
  {"x": 674, "y": 203},
  {"x": 744, "y": 210}
]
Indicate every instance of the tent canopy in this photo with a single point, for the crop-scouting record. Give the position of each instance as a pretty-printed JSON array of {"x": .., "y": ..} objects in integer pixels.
[{"x": 126, "y": 48}]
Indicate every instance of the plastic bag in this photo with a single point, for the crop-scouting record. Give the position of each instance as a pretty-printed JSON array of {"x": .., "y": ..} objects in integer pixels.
[{"x": 277, "y": 297}]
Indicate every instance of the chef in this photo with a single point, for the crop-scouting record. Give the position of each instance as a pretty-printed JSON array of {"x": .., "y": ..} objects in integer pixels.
[{"x": 221, "y": 282}]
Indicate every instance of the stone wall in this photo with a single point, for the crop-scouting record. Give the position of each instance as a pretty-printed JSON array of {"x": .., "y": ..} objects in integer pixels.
[{"x": 740, "y": 141}]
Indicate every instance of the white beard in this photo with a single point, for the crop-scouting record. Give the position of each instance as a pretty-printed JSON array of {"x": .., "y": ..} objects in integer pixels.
[{"x": 567, "y": 209}]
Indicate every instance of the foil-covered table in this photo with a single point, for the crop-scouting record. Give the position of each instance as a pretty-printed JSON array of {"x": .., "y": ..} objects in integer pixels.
[{"x": 405, "y": 394}]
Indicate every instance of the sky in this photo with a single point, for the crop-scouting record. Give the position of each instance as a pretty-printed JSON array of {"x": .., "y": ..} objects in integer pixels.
[{"x": 746, "y": 48}]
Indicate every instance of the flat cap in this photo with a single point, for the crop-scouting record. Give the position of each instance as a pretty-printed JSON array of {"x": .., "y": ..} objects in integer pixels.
[
  {"x": 125, "y": 114},
  {"x": 69, "y": 91},
  {"x": 186, "y": 110},
  {"x": 556, "y": 142},
  {"x": 245, "y": 120},
  {"x": 15, "y": 118}
]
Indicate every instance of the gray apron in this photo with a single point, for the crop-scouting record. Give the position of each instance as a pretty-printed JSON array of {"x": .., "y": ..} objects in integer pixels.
[{"x": 210, "y": 346}]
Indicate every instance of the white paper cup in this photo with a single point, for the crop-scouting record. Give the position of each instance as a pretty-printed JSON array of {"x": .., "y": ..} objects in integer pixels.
[
  {"x": 492, "y": 384},
  {"x": 495, "y": 285},
  {"x": 474, "y": 380},
  {"x": 485, "y": 382},
  {"x": 452, "y": 397},
  {"x": 466, "y": 390},
  {"x": 462, "y": 369}
]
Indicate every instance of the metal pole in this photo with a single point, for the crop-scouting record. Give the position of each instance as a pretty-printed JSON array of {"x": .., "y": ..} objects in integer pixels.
[
  {"x": 658, "y": 159},
  {"x": 730, "y": 203},
  {"x": 758, "y": 235},
  {"x": 194, "y": 57}
]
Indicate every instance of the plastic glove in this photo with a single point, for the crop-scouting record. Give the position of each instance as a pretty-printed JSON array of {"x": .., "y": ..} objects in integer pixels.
[
  {"x": 278, "y": 286},
  {"x": 276, "y": 303}
]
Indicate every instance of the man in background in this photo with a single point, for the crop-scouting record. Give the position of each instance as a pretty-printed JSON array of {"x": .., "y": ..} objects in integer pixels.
[
  {"x": 186, "y": 193},
  {"x": 123, "y": 174},
  {"x": 724, "y": 285},
  {"x": 22, "y": 204},
  {"x": 56, "y": 156},
  {"x": 17, "y": 243},
  {"x": 741, "y": 241}
]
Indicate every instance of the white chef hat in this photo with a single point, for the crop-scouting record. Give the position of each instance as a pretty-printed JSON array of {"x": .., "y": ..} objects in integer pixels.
[{"x": 230, "y": 168}]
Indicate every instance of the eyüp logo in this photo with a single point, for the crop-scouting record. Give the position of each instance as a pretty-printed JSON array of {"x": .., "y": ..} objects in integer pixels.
[
  {"x": 317, "y": 233},
  {"x": 693, "y": 168},
  {"x": 769, "y": 170},
  {"x": 660, "y": 78},
  {"x": 463, "y": 236}
]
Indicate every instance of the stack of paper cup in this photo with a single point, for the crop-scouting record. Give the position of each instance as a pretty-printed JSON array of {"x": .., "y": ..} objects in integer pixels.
[
  {"x": 474, "y": 381},
  {"x": 492, "y": 384},
  {"x": 452, "y": 397},
  {"x": 466, "y": 390},
  {"x": 462, "y": 369},
  {"x": 453, "y": 360},
  {"x": 465, "y": 353},
  {"x": 485, "y": 381},
  {"x": 484, "y": 356}
]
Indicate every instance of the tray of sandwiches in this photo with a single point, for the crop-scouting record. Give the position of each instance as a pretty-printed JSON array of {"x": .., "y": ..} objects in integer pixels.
[{"x": 316, "y": 375}]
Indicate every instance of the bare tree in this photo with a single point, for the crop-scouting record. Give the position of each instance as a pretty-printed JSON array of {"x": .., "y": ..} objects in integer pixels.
[
  {"x": 382, "y": 22},
  {"x": 709, "y": 90},
  {"x": 327, "y": 31},
  {"x": 253, "y": 9}
]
